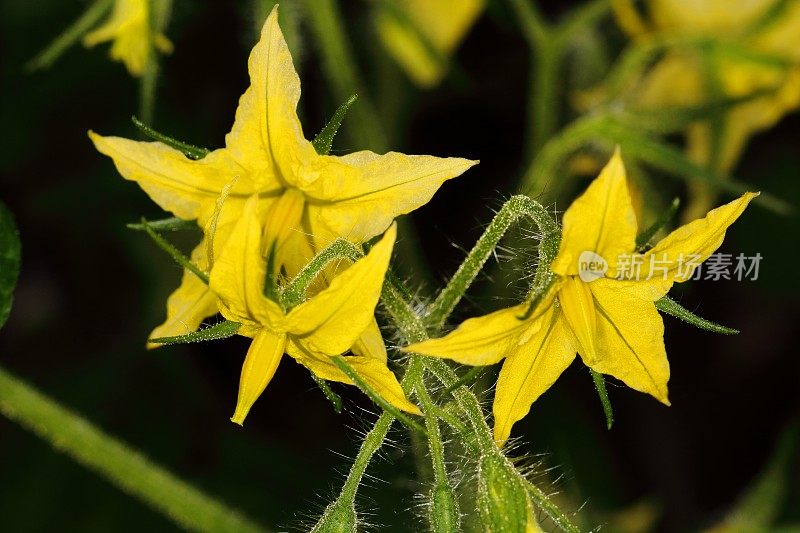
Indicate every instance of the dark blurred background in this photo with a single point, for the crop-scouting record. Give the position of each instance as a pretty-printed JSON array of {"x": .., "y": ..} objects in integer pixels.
[{"x": 90, "y": 291}]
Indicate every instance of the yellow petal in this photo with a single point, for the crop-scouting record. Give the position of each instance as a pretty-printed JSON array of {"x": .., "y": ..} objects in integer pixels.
[
  {"x": 190, "y": 304},
  {"x": 676, "y": 256},
  {"x": 176, "y": 183},
  {"x": 259, "y": 366},
  {"x": 529, "y": 370},
  {"x": 330, "y": 322},
  {"x": 600, "y": 221},
  {"x": 361, "y": 193},
  {"x": 126, "y": 14},
  {"x": 239, "y": 272},
  {"x": 579, "y": 311},
  {"x": 373, "y": 371},
  {"x": 266, "y": 134},
  {"x": 370, "y": 344},
  {"x": 628, "y": 17},
  {"x": 483, "y": 340},
  {"x": 630, "y": 335}
]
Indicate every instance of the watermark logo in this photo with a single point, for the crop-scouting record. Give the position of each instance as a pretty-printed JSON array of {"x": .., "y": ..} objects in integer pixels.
[{"x": 591, "y": 266}]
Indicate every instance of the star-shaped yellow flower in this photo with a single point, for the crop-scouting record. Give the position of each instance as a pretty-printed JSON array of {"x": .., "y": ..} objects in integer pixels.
[
  {"x": 611, "y": 322},
  {"x": 323, "y": 326},
  {"x": 305, "y": 200},
  {"x": 422, "y": 34},
  {"x": 764, "y": 56},
  {"x": 129, "y": 28}
]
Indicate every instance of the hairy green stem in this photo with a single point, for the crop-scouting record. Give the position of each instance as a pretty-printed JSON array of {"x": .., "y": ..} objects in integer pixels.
[
  {"x": 514, "y": 209},
  {"x": 118, "y": 463}
]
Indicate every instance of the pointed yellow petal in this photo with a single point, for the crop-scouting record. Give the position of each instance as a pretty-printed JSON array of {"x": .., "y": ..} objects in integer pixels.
[
  {"x": 239, "y": 272},
  {"x": 330, "y": 322},
  {"x": 628, "y": 17},
  {"x": 362, "y": 193},
  {"x": 189, "y": 305},
  {"x": 266, "y": 134},
  {"x": 531, "y": 368},
  {"x": 370, "y": 344},
  {"x": 259, "y": 366},
  {"x": 676, "y": 256},
  {"x": 176, "y": 183},
  {"x": 373, "y": 371},
  {"x": 480, "y": 341},
  {"x": 601, "y": 221},
  {"x": 579, "y": 311},
  {"x": 630, "y": 335}
]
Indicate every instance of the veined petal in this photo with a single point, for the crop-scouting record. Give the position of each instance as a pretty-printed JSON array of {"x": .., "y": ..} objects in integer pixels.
[
  {"x": 239, "y": 272},
  {"x": 373, "y": 371},
  {"x": 630, "y": 335},
  {"x": 483, "y": 340},
  {"x": 259, "y": 366},
  {"x": 530, "y": 369},
  {"x": 676, "y": 256},
  {"x": 601, "y": 221},
  {"x": 330, "y": 322},
  {"x": 189, "y": 304},
  {"x": 370, "y": 343},
  {"x": 359, "y": 194},
  {"x": 580, "y": 313},
  {"x": 176, "y": 183},
  {"x": 266, "y": 133}
]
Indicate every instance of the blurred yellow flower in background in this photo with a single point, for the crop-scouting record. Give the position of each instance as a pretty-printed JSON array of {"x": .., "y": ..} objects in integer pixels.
[
  {"x": 305, "y": 200},
  {"x": 128, "y": 27},
  {"x": 422, "y": 34},
  {"x": 609, "y": 319},
  {"x": 751, "y": 47}
]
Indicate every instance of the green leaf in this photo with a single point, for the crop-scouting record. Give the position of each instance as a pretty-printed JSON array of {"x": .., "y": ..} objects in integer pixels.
[
  {"x": 223, "y": 330},
  {"x": 174, "y": 253},
  {"x": 189, "y": 150},
  {"x": 70, "y": 36},
  {"x": 165, "y": 224},
  {"x": 324, "y": 139},
  {"x": 644, "y": 238},
  {"x": 10, "y": 258},
  {"x": 600, "y": 385},
  {"x": 671, "y": 307}
]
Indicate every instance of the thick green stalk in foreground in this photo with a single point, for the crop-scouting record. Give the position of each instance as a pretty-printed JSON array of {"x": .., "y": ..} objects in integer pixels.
[{"x": 120, "y": 464}]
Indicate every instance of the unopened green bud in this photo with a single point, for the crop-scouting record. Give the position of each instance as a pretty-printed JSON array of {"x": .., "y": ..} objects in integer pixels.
[
  {"x": 337, "y": 518},
  {"x": 502, "y": 499},
  {"x": 444, "y": 514}
]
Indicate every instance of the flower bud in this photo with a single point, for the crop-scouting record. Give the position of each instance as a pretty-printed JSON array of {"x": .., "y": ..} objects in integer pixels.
[
  {"x": 444, "y": 515},
  {"x": 502, "y": 498},
  {"x": 337, "y": 518}
]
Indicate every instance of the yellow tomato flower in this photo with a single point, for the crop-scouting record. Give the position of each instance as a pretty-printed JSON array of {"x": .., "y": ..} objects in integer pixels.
[
  {"x": 306, "y": 200},
  {"x": 422, "y": 34},
  {"x": 681, "y": 78},
  {"x": 323, "y": 326},
  {"x": 611, "y": 322},
  {"x": 129, "y": 28}
]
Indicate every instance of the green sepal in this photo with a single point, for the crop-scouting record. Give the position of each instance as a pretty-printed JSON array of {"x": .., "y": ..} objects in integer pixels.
[
  {"x": 324, "y": 139},
  {"x": 602, "y": 392},
  {"x": 165, "y": 224},
  {"x": 326, "y": 389},
  {"x": 671, "y": 307},
  {"x": 295, "y": 292},
  {"x": 10, "y": 259},
  {"x": 644, "y": 238},
  {"x": 173, "y": 252},
  {"x": 341, "y": 363},
  {"x": 189, "y": 150},
  {"x": 223, "y": 330}
]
